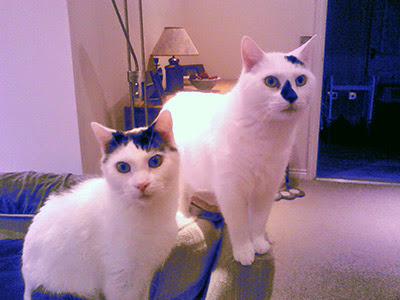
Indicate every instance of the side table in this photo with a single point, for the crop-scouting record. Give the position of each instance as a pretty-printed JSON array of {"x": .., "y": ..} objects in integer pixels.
[{"x": 222, "y": 87}]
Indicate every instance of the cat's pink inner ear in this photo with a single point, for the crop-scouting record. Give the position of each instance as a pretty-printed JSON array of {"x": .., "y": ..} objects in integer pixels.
[
  {"x": 102, "y": 133},
  {"x": 251, "y": 53},
  {"x": 304, "y": 52},
  {"x": 163, "y": 125}
]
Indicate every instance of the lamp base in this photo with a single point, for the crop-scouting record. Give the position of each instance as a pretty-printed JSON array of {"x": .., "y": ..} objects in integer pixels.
[{"x": 173, "y": 75}]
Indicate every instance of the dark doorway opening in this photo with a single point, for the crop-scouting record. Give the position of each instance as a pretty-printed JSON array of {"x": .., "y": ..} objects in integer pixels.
[{"x": 360, "y": 113}]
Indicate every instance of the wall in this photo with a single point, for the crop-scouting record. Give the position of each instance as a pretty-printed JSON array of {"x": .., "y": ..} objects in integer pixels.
[
  {"x": 38, "y": 118},
  {"x": 217, "y": 28}
]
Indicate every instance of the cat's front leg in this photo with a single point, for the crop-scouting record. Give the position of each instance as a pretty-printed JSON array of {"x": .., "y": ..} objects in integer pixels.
[
  {"x": 243, "y": 252},
  {"x": 233, "y": 205},
  {"x": 259, "y": 209}
]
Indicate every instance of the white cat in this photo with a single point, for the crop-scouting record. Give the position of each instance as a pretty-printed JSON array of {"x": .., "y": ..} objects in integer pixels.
[
  {"x": 237, "y": 145},
  {"x": 108, "y": 235}
]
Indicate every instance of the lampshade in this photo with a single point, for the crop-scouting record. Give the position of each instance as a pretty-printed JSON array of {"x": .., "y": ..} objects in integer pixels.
[{"x": 174, "y": 41}]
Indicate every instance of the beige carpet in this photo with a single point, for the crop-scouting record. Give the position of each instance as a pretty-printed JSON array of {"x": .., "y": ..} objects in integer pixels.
[{"x": 341, "y": 241}]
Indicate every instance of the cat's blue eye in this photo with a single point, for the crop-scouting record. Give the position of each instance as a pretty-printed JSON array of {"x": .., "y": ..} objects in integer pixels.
[
  {"x": 123, "y": 167},
  {"x": 272, "y": 82},
  {"x": 155, "y": 161},
  {"x": 301, "y": 80}
]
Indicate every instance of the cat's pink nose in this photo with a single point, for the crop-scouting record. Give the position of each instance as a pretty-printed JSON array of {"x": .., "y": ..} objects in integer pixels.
[{"x": 142, "y": 186}]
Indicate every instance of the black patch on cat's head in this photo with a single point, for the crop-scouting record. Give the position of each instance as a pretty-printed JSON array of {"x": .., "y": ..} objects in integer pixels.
[
  {"x": 146, "y": 140},
  {"x": 294, "y": 60}
]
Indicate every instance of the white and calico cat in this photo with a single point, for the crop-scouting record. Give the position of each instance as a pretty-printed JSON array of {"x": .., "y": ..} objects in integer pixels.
[
  {"x": 237, "y": 145},
  {"x": 108, "y": 235}
]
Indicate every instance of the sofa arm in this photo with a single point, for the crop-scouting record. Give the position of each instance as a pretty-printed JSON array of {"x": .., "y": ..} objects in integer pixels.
[
  {"x": 201, "y": 266},
  {"x": 186, "y": 271},
  {"x": 231, "y": 280},
  {"x": 24, "y": 193}
]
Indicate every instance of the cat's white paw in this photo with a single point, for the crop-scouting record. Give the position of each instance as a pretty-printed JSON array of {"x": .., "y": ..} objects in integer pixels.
[
  {"x": 244, "y": 254},
  {"x": 182, "y": 220},
  {"x": 261, "y": 245}
]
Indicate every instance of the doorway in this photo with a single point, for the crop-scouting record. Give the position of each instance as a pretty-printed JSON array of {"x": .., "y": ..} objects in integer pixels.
[{"x": 360, "y": 110}]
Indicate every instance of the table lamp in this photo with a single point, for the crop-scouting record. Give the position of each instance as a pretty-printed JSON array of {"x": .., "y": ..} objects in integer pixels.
[{"x": 174, "y": 41}]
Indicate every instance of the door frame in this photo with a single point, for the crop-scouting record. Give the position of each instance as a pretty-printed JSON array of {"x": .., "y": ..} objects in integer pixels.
[{"x": 320, "y": 15}]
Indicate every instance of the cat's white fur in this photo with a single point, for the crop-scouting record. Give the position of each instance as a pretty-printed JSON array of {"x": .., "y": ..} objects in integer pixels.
[
  {"x": 106, "y": 236},
  {"x": 237, "y": 145}
]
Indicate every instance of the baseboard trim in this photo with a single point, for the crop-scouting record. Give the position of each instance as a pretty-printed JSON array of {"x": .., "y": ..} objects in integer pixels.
[
  {"x": 299, "y": 174},
  {"x": 352, "y": 181}
]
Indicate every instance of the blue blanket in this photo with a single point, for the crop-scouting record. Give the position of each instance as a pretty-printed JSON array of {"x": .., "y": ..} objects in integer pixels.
[{"x": 11, "y": 283}]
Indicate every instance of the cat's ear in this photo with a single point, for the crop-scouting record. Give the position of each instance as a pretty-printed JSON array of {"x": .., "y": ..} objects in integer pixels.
[
  {"x": 103, "y": 134},
  {"x": 304, "y": 52},
  {"x": 163, "y": 124},
  {"x": 251, "y": 53}
]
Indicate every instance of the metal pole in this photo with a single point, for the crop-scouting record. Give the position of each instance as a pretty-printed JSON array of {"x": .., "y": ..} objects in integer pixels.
[
  {"x": 126, "y": 35},
  {"x": 127, "y": 32},
  {"x": 143, "y": 80},
  {"x": 132, "y": 81}
]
